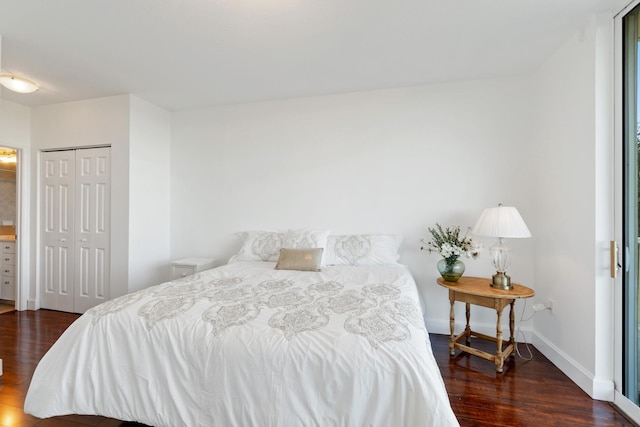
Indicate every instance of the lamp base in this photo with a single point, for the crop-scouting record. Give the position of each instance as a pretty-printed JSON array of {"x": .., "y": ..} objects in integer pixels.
[{"x": 501, "y": 281}]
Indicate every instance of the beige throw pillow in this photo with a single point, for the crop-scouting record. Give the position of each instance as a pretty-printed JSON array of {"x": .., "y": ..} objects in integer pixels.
[{"x": 300, "y": 259}]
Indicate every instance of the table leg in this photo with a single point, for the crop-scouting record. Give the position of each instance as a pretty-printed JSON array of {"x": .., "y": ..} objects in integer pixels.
[
  {"x": 512, "y": 338},
  {"x": 452, "y": 325},
  {"x": 499, "y": 360},
  {"x": 467, "y": 330}
]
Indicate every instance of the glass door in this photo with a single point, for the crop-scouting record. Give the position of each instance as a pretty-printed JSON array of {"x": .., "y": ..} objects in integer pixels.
[
  {"x": 630, "y": 44},
  {"x": 627, "y": 388}
]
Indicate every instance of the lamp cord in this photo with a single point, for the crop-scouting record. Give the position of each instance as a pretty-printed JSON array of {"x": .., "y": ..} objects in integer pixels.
[{"x": 519, "y": 332}]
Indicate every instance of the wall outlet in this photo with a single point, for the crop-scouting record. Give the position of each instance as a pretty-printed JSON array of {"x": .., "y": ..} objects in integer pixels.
[
  {"x": 549, "y": 304},
  {"x": 539, "y": 307}
]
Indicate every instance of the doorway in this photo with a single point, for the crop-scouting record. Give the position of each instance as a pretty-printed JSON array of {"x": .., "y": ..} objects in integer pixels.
[{"x": 8, "y": 217}]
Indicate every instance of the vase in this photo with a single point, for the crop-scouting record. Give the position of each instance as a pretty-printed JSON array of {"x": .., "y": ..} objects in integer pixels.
[{"x": 451, "y": 271}]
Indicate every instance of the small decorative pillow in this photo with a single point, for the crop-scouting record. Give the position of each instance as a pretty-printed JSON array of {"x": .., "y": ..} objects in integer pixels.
[
  {"x": 361, "y": 249},
  {"x": 259, "y": 246},
  {"x": 300, "y": 259}
]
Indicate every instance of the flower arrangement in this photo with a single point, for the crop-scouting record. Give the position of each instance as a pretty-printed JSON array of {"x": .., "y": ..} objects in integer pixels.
[{"x": 450, "y": 244}]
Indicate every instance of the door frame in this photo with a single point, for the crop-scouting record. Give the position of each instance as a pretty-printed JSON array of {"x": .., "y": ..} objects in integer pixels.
[
  {"x": 37, "y": 301},
  {"x": 22, "y": 229}
]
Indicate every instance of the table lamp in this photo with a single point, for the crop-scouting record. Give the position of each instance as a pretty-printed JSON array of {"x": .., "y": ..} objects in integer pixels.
[{"x": 501, "y": 222}]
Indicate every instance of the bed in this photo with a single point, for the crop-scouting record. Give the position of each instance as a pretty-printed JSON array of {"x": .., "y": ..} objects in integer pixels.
[{"x": 247, "y": 344}]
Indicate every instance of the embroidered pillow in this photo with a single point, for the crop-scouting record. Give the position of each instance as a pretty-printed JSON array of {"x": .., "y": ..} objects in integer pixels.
[
  {"x": 296, "y": 239},
  {"x": 361, "y": 249},
  {"x": 259, "y": 246},
  {"x": 300, "y": 259}
]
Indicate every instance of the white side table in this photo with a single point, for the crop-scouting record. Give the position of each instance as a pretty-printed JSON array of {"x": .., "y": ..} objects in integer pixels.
[{"x": 188, "y": 266}]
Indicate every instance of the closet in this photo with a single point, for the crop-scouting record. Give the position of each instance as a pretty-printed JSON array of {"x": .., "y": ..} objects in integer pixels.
[{"x": 74, "y": 228}]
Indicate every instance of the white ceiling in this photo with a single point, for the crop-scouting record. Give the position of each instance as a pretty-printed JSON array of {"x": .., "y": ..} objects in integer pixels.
[{"x": 184, "y": 54}]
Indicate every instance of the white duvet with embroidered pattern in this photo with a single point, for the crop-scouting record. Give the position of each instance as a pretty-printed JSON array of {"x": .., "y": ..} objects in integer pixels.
[{"x": 247, "y": 345}]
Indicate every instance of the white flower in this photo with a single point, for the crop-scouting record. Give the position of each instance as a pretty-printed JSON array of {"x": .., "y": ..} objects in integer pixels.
[
  {"x": 450, "y": 244},
  {"x": 446, "y": 250}
]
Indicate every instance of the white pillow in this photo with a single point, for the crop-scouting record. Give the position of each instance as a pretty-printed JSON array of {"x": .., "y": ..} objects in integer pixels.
[
  {"x": 259, "y": 245},
  {"x": 361, "y": 249},
  {"x": 305, "y": 239},
  {"x": 265, "y": 245}
]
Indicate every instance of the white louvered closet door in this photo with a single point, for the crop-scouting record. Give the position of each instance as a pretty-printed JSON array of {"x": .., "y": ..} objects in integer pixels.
[{"x": 75, "y": 223}]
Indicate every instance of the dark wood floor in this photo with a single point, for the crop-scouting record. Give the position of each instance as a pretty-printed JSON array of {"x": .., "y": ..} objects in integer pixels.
[
  {"x": 531, "y": 393},
  {"x": 528, "y": 393}
]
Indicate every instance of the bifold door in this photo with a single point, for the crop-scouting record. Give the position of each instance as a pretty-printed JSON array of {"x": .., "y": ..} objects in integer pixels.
[{"x": 75, "y": 228}]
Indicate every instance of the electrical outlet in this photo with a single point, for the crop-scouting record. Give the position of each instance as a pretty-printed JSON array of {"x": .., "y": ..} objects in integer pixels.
[
  {"x": 539, "y": 307},
  {"x": 550, "y": 304}
]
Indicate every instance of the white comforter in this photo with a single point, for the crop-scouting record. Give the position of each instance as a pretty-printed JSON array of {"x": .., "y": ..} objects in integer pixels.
[{"x": 247, "y": 345}]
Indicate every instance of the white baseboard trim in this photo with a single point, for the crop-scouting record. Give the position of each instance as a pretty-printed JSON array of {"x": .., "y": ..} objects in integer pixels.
[
  {"x": 32, "y": 305},
  {"x": 629, "y": 408},
  {"x": 597, "y": 388}
]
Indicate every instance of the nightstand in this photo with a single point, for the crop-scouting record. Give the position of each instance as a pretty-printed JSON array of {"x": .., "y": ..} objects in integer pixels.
[
  {"x": 188, "y": 266},
  {"x": 477, "y": 291}
]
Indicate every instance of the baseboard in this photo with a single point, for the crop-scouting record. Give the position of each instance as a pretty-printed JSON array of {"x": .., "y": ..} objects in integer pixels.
[
  {"x": 32, "y": 305},
  {"x": 629, "y": 408},
  {"x": 597, "y": 388}
]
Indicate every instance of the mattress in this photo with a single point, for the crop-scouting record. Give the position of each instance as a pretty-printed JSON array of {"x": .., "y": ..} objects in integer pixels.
[{"x": 247, "y": 345}]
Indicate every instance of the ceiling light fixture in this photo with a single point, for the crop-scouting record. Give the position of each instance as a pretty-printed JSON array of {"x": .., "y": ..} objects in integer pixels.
[
  {"x": 8, "y": 156},
  {"x": 18, "y": 84}
]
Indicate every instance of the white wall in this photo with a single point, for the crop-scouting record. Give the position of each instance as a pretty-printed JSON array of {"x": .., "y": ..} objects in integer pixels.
[
  {"x": 394, "y": 161},
  {"x": 573, "y": 214},
  {"x": 15, "y": 131},
  {"x": 15, "y": 124},
  {"x": 150, "y": 139}
]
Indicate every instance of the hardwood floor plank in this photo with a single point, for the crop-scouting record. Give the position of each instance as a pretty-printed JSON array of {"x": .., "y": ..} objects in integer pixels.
[{"x": 531, "y": 393}]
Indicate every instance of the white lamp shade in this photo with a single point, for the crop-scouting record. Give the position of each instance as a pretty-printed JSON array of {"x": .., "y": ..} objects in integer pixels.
[
  {"x": 501, "y": 221},
  {"x": 18, "y": 84}
]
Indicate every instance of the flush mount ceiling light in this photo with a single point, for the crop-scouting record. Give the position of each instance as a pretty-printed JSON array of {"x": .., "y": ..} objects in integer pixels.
[
  {"x": 8, "y": 156},
  {"x": 17, "y": 83}
]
